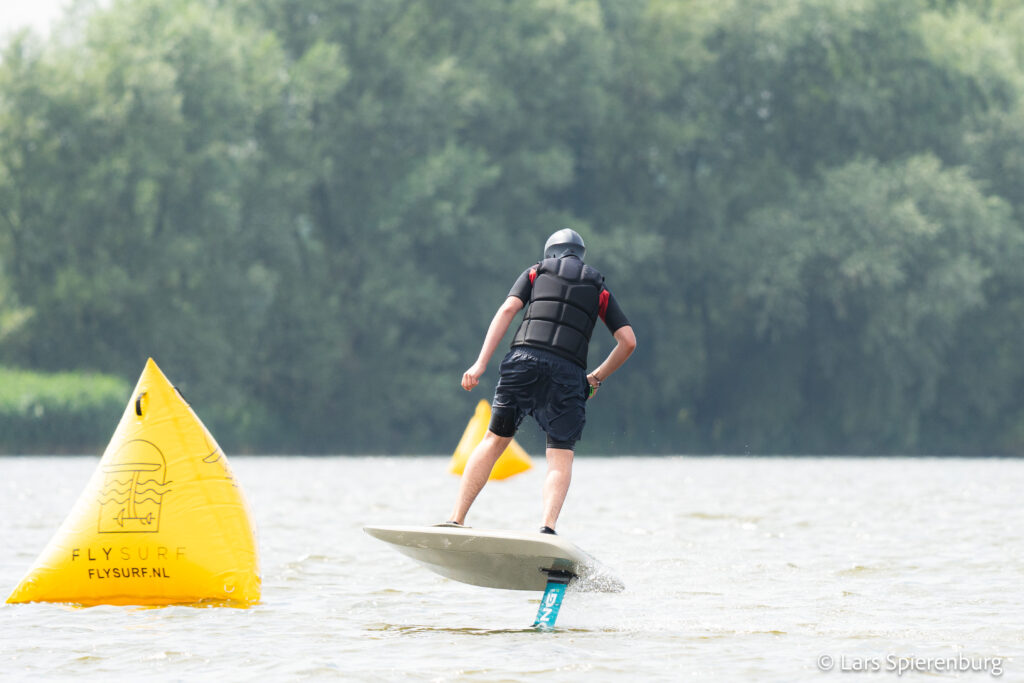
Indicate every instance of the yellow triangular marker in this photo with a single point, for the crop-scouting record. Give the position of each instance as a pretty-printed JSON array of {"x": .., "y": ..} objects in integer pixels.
[
  {"x": 513, "y": 461},
  {"x": 162, "y": 521}
]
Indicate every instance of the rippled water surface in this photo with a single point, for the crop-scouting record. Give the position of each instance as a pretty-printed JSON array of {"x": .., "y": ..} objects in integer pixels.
[{"x": 735, "y": 569}]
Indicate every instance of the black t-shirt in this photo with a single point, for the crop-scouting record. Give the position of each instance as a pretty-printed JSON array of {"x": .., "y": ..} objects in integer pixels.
[{"x": 611, "y": 313}]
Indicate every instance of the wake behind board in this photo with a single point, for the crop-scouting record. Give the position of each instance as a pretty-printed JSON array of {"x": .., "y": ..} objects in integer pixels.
[{"x": 513, "y": 560}]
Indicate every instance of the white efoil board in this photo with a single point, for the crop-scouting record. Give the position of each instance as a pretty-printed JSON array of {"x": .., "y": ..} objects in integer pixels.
[{"x": 514, "y": 560}]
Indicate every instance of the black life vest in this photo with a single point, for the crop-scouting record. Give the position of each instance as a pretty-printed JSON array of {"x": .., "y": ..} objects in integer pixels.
[{"x": 564, "y": 306}]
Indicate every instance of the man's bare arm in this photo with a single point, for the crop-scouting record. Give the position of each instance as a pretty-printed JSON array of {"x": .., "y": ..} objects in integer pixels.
[
  {"x": 497, "y": 329},
  {"x": 625, "y": 344}
]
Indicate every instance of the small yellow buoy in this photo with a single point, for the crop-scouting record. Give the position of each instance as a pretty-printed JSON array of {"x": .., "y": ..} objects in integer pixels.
[
  {"x": 162, "y": 520},
  {"x": 512, "y": 461}
]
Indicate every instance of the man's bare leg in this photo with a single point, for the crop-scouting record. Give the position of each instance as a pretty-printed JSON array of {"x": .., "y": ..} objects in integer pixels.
[
  {"x": 478, "y": 469},
  {"x": 556, "y": 484}
]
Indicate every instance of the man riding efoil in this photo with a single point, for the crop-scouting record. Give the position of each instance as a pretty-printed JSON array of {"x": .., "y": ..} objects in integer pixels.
[{"x": 544, "y": 374}]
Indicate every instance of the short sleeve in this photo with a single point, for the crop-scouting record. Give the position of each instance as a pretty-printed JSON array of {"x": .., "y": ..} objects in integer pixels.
[
  {"x": 522, "y": 288},
  {"x": 612, "y": 313}
]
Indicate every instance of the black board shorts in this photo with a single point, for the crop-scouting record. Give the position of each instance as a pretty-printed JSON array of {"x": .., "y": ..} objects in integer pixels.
[{"x": 543, "y": 384}]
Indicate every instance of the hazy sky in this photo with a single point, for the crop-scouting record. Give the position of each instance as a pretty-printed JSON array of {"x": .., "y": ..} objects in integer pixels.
[{"x": 38, "y": 14}]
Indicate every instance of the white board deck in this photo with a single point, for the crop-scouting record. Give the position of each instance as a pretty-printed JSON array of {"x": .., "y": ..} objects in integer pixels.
[{"x": 514, "y": 560}]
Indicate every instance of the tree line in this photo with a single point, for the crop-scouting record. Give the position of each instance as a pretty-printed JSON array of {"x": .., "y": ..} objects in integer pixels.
[{"x": 307, "y": 211}]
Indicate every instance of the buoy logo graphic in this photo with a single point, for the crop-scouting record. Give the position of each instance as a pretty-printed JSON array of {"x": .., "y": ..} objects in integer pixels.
[{"x": 133, "y": 489}]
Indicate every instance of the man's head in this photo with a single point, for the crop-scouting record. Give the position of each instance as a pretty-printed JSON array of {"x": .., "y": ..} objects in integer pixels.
[{"x": 563, "y": 243}]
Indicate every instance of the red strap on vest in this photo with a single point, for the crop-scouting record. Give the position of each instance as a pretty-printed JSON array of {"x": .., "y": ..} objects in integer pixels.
[
  {"x": 533, "y": 275},
  {"x": 602, "y": 303}
]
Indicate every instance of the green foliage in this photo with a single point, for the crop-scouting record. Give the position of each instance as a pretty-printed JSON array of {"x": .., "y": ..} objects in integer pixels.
[
  {"x": 60, "y": 412},
  {"x": 874, "y": 272},
  {"x": 308, "y": 210}
]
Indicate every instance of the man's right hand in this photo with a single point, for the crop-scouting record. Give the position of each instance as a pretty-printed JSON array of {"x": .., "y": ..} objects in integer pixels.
[{"x": 471, "y": 377}]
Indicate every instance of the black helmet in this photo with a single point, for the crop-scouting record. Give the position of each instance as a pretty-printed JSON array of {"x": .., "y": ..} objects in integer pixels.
[{"x": 563, "y": 243}]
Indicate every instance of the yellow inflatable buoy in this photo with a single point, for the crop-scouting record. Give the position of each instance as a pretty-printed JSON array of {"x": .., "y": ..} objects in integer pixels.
[
  {"x": 162, "y": 521},
  {"x": 512, "y": 461}
]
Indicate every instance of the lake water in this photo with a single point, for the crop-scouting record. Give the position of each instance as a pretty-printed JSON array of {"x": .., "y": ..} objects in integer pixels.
[{"x": 736, "y": 569}]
